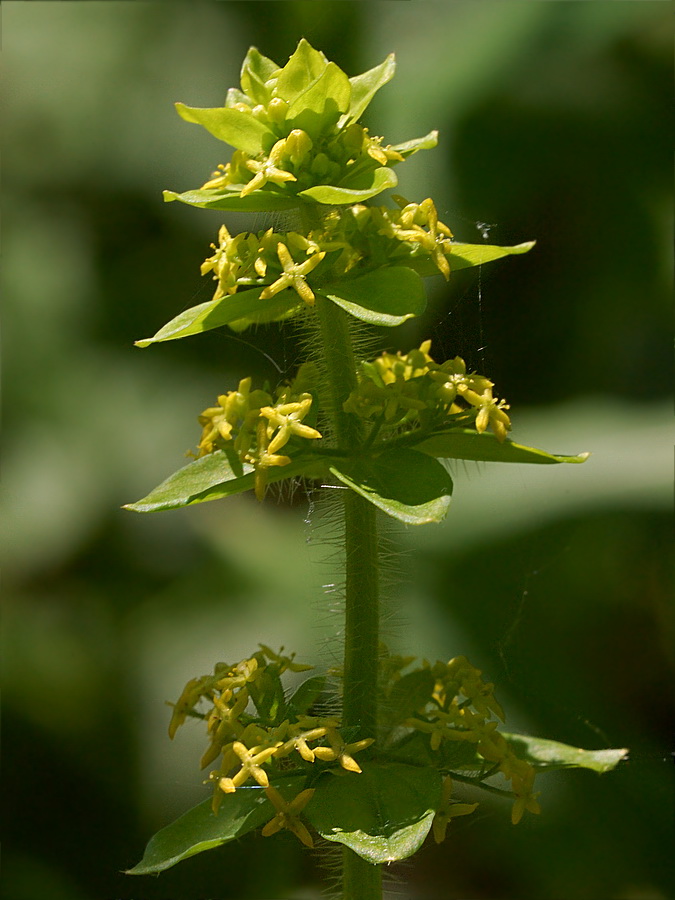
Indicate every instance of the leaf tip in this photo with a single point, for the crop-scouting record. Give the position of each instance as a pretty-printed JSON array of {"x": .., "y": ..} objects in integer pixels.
[{"x": 144, "y": 342}]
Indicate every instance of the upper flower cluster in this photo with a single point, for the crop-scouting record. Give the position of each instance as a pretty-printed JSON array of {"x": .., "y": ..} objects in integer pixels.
[{"x": 296, "y": 134}]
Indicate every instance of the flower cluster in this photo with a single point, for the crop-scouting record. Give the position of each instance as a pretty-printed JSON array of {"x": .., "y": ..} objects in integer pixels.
[
  {"x": 461, "y": 709},
  {"x": 296, "y": 127},
  {"x": 405, "y": 390},
  {"x": 253, "y": 731},
  {"x": 259, "y": 425},
  {"x": 357, "y": 240}
]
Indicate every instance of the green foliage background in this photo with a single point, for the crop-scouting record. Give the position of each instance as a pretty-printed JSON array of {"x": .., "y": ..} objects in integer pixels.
[{"x": 553, "y": 119}]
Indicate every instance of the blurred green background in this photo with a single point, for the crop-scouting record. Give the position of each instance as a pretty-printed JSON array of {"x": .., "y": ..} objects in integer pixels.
[{"x": 554, "y": 122}]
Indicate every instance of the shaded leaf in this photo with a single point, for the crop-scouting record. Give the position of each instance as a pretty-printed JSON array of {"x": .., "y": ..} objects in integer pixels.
[
  {"x": 386, "y": 296},
  {"x": 307, "y": 694},
  {"x": 401, "y": 483},
  {"x": 383, "y": 814},
  {"x": 240, "y": 129},
  {"x": 227, "y": 310},
  {"x": 366, "y": 85},
  {"x": 545, "y": 754},
  {"x": 199, "y": 829},
  {"x": 215, "y": 198},
  {"x": 468, "y": 444},
  {"x": 362, "y": 187}
]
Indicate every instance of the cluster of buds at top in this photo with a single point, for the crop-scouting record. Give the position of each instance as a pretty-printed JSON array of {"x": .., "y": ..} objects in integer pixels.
[
  {"x": 250, "y": 744},
  {"x": 411, "y": 390},
  {"x": 365, "y": 238},
  {"x": 461, "y": 708},
  {"x": 258, "y": 425},
  {"x": 296, "y": 162}
]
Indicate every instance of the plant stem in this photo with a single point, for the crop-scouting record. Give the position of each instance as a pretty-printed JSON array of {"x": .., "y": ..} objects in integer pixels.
[{"x": 361, "y": 880}]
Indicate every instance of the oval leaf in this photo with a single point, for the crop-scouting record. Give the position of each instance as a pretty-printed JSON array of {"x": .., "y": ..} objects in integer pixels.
[
  {"x": 210, "y": 198},
  {"x": 401, "y": 483},
  {"x": 383, "y": 814},
  {"x": 305, "y": 66},
  {"x": 362, "y": 188},
  {"x": 463, "y": 256},
  {"x": 545, "y": 754},
  {"x": 237, "y": 128},
  {"x": 382, "y": 297},
  {"x": 320, "y": 106},
  {"x": 226, "y": 310},
  {"x": 199, "y": 829},
  {"x": 468, "y": 444},
  {"x": 407, "y": 148}
]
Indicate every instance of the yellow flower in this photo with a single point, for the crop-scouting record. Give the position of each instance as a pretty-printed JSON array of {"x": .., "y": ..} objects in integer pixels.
[
  {"x": 267, "y": 170},
  {"x": 293, "y": 275},
  {"x": 288, "y": 815},
  {"x": 285, "y": 420},
  {"x": 251, "y": 766},
  {"x": 448, "y": 810},
  {"x": 341, "y": 751}
]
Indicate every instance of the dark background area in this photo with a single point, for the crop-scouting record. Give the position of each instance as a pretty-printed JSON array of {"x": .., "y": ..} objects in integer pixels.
[{"x": 554, "y": 122}]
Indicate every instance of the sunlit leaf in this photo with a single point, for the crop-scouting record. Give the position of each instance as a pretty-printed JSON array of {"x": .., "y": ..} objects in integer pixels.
[
  {"x": 255, "y": 71},
  {"x": 240, "y": 129},
  {"x": 360, "y": 188},
  {"x": 401, "y": 483},
  {"x": 386, "y": 296},
  {"x": 468, "y": 444},
  {"x": 383, "y": 814},
  {"x": 365, "y": 86},
  {"x": 427, "y": 142},
  {"x": 226, "y": 310},
  {"x": 320, "y": 106},
  {"x": 216, "y": 198},
  {"x": 199, "y": 829},
  {"x": 545, "y": 754},
  {"x": 304, "y": 66}
]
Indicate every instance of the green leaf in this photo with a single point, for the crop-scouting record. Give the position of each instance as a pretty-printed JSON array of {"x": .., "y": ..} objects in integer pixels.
[
  {"x": 199, "y": 829},
  {"x": 451, "y": 756},
  {"x": 255, "y": 71},
  {"x": 407, "y": 148},
  {"x": 366, "y": 85},
  {"x": 545, "y": 754},
  {"x": 227, "y": 310},
  {"x": 319, "y": 107},
  {"x": 223, "y": 467},
  {"x": 383, "y": 814},
  {"x": 261, "y": 200},
  {"x": 386, "y": 296},
  {"x": 401, "y": 483},
  {"x": 362, "y": 187},
  {"x": 463, "y": 256},
  {"x": 411, "y": 693},
  {"x": 267, "y": 694},
  {"x": 307, "y": 694},
  {"x": 240, "y": 129},
  {"x": 468, "y": 444},
  {"x": 218, "y": 475},
  {"x": 304, "y": 67}
]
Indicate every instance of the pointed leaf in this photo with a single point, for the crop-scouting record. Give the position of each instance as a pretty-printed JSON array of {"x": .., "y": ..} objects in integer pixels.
[
  {"x": 199, "y": 829},
  {"x": 383, "y": 814},
  {"x": 468, "y": 444},
  {"x": 216, "y": 469},
  {"x": 427, "y": 142},
  {"x": 320, "y": 106},
  {"x": 218, "y": 475},
  {"x": 385, "y": 296},
  {"x": 255, "y": 71},
  {"x": 237, "y": 128},
  {"x": 463, "y": 256},
  {"x": 209, "y": 198},
  {"x": 226, "y": 310},
  {"x": 401, "y": 483},
  {"x": 305, "y": 66},
  {"x": 545, "y": 754},
  {"x": 363, "y": 187},
  {"x": 366, "y": 85}
]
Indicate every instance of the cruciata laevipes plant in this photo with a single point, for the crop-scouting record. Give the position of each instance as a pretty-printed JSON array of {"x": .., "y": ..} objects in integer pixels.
[{"x": 378, "y": 772}]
